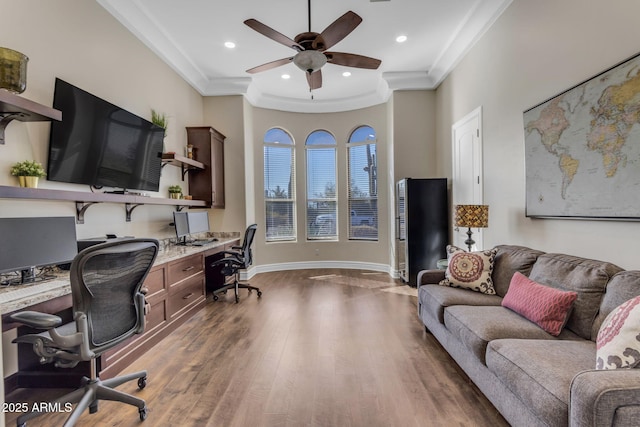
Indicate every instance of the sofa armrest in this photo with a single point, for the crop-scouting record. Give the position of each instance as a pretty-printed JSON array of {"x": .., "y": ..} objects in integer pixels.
[
  {"x": 429, "y": 277},
  {"x": 605, "y": 397}
]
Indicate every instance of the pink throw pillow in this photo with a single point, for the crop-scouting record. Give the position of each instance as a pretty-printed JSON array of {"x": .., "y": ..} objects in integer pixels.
[{"x": 548, "y": 307}]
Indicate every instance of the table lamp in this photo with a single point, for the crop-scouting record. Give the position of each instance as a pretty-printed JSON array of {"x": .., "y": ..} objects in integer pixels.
[{"x": 471, "y": 216}]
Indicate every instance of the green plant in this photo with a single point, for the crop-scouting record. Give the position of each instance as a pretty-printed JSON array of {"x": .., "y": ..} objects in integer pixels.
[
  {"x": 28, "y": 168},
  {"x": 175, "y": 189},
  {"x": 159, "y": 119}
]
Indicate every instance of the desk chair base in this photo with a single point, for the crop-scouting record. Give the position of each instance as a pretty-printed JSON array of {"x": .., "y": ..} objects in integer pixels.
[
  {"x": 92, "y": 391},
  {"x": 236, "y": 286}
]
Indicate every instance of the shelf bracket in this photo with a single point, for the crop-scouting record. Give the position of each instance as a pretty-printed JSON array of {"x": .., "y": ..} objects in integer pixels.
[
  {"x": 179, "y": 208},
  {"x": 130, "y": 207},
  {"x": 81, "y": 208},
  {"x": 5, "y": 119}
]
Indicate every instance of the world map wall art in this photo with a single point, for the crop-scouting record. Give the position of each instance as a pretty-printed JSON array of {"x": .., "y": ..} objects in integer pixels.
[{"x": 582, "y": 149}]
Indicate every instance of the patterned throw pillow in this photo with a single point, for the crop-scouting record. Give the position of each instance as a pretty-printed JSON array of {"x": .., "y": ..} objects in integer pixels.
[
  {"x": 618, "y": 342},
  {"x": 545, "y": 306},
  {"x": 470, "y": 270}
]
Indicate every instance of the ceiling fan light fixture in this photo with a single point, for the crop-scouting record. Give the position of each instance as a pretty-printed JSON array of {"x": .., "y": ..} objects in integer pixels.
[{"x": 310, "y": 61}]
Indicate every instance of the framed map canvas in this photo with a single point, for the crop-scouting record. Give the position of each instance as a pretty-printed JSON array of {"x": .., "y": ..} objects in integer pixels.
[{"x": 582, "y": 149}]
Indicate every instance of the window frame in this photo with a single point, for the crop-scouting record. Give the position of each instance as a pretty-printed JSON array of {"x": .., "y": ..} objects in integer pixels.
[
  {"x": 352, "y": 235},
  {"x": 309, "y": 147}
]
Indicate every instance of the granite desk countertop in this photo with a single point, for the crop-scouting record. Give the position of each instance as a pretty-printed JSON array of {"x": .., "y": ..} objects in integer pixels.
[{"x": 13, "y": 298}]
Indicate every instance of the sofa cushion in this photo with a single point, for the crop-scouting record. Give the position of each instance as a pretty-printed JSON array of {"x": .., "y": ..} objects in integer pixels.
[
  {"x": 547, "y": 307},
  {"x": 588, "y": 278},
  {"x": 475, "y": 327},
  {"x": 622, "y": 287},
  {"x": 539, "y": 372},
  {"x": 618, "y": 343},
  {"x": 509, "y": 259},
  {"x": 470, "y": 270},
  {"x": 436, "y": 298}
]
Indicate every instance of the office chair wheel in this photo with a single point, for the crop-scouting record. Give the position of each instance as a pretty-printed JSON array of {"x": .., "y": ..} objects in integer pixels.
[
  {"x": 142, "y": 382},
  {"x": 93, "y": 408},
  {"x": 237, "y": 299},
  {"x": 143, "y": 413},
  {"x": 22, "y": 425},
  {"x": 259, "y": 294},
  {"x": 215, "y": 297}
]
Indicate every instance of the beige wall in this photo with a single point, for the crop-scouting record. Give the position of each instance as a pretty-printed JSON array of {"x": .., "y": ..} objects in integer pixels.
[
  {"x": 534, "y": 51},
  {"x": 414, "y": 134}
]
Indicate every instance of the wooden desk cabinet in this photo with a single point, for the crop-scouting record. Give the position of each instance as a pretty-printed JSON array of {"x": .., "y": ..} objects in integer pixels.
[
  {"x": 207, "y": 184},
  {"x": 176, "y": 291}
]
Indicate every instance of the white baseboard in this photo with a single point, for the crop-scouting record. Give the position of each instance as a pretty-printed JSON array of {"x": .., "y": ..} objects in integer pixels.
[{"x": 351, "y": 265}]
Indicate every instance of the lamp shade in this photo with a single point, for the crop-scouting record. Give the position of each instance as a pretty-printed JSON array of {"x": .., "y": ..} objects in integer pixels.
[{"x": 472, "y": 216}]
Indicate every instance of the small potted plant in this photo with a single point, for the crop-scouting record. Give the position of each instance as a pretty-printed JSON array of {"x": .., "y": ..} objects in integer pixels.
[
  {"x": 28, "y": 173},
  {"x": 175, "y": 191}
]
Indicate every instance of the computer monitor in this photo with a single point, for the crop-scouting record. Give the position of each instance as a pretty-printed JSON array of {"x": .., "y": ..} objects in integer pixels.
[
  {"x": 27, "y": 243},
  {"x": 188, "y": 223}
]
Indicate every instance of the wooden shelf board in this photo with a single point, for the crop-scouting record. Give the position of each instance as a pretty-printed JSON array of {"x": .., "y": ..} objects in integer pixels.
[
  {"x": 178, "y": 160},
  {"x": 9, "y": 192},
  {"x": 26, "y": 110}
]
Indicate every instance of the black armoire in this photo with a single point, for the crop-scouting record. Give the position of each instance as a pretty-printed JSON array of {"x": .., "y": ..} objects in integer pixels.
[{"x": 422, "y": 225}]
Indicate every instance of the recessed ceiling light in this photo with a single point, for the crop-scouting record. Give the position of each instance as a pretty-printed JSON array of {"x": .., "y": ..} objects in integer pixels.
[
  {"x": 401, "y": 39},
  {"x": 346, "y": 73},
  {"x": 286, "y": 76},
  {"x": 229, "y": 45}
]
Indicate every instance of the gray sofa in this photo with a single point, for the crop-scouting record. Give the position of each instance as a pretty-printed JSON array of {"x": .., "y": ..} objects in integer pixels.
[{"x": 530, "y": 376}]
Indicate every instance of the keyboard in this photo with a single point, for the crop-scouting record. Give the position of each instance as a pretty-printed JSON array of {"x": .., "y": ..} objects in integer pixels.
[{"x": 202, "y": 242}]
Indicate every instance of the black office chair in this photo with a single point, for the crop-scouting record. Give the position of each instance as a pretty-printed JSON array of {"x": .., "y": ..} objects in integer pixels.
[
  {"x": 239, "y": 259},
  {"x": 108, "y": 308}
]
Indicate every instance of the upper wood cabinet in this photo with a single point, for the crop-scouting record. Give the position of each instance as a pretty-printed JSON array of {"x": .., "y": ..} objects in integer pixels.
[{"x": 208, "y": 147}]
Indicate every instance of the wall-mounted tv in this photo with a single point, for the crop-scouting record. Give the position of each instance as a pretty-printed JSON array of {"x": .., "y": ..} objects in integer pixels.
[{"x": 100, "y": 144}]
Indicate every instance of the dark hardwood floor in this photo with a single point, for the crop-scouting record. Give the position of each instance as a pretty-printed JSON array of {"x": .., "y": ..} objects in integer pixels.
[{"x": 320, "y": 348}]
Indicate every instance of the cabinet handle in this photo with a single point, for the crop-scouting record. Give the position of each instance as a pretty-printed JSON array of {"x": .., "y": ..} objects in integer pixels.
[
  {"x": 187, "y": 296},
  {"x": 191, "y": 267},
  {"x": 213, "y": 196}
]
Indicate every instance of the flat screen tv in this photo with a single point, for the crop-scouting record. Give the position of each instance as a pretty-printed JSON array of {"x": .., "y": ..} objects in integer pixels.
[{"x": 100, "y": 144}]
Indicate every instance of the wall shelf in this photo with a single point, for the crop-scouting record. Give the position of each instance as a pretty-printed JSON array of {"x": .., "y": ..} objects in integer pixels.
[
  {"x": 85, "y": 199},
  {"x": 14, "y": 107},
  {"x": 184, "y": 163}
]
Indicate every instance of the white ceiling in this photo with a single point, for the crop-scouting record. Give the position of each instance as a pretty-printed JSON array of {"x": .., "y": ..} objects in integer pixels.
[{"x": 189, "y": 35}]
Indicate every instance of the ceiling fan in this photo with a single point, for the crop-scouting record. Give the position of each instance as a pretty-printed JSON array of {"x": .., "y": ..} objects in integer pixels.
[{"x": 312, "y": 48}]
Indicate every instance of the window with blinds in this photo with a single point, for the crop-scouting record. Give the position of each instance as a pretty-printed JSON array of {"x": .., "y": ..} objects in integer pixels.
[
  {"x": 322, "y": 215},
  {"x": 279, "y": 185},
  {"x": 363, "y": 184}
]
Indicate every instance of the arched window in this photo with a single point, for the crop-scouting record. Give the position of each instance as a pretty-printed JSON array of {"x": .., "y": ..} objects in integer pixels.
[
  {"x": 322, "y": 199},
  {"x": 363, "y": 184},
  {"x": 279, "y": 185}
]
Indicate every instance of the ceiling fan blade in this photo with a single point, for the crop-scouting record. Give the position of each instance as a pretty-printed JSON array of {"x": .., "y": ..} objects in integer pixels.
[
  {"x": 273, "y": 34},
  {"x": 269, "y": 65},
  {"x": 352, "y": 60},
  {"x": 314, "y": 79},
  {"x": 339, "y": 29}
]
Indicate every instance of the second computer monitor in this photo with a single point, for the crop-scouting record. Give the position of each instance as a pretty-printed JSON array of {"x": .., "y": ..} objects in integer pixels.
[{"x": 188, "y": 223}]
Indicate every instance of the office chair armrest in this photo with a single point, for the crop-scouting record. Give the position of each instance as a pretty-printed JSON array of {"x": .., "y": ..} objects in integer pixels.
[
  {"x": 236, "y": 247},
  {"x": 227, "y": 261},
  {"x": 37, "y": 320}
]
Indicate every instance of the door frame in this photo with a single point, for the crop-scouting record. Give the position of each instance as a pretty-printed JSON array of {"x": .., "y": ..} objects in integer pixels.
[{"x": 475, "y": 114}]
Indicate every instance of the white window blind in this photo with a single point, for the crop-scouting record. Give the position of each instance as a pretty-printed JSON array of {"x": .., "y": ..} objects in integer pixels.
[
  {"x": 279, "y": 185},
  {"x": 321, "y": 186},
  {"x": 363, "y": 184}
]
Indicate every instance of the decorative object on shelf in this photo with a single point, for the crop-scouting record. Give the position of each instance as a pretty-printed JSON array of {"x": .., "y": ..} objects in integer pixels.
[
  {"x": 160, "y": 119},
  {"x": 28, "y": 173},
  {"x": 471, "y": 216},
  {"x": 175, "y": 191},
  {"x": 187, "y": 197},
  {"x": 189, "y": 151},
  {"x": 13, "y": 70}
]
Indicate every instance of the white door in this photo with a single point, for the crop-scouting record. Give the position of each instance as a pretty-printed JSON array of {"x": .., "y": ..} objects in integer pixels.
[{"x": 466, "y": 136}]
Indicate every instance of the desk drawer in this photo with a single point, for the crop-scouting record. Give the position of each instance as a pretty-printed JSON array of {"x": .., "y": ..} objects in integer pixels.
[
  {"x": 183, "y": 268},
  {"x": 186, "y": 293},
  {"x": 155, "y": 281}
]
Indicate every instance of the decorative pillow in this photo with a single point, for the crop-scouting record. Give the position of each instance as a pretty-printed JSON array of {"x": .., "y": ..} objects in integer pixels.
[
  {"x": 618, "y": 342},
  {"x": 470, "y": 270},
  {"x": 547, "y": 307}
]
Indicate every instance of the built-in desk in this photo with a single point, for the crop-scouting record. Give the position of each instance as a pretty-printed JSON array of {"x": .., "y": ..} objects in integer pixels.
[{"x": 176, "y": 290}]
